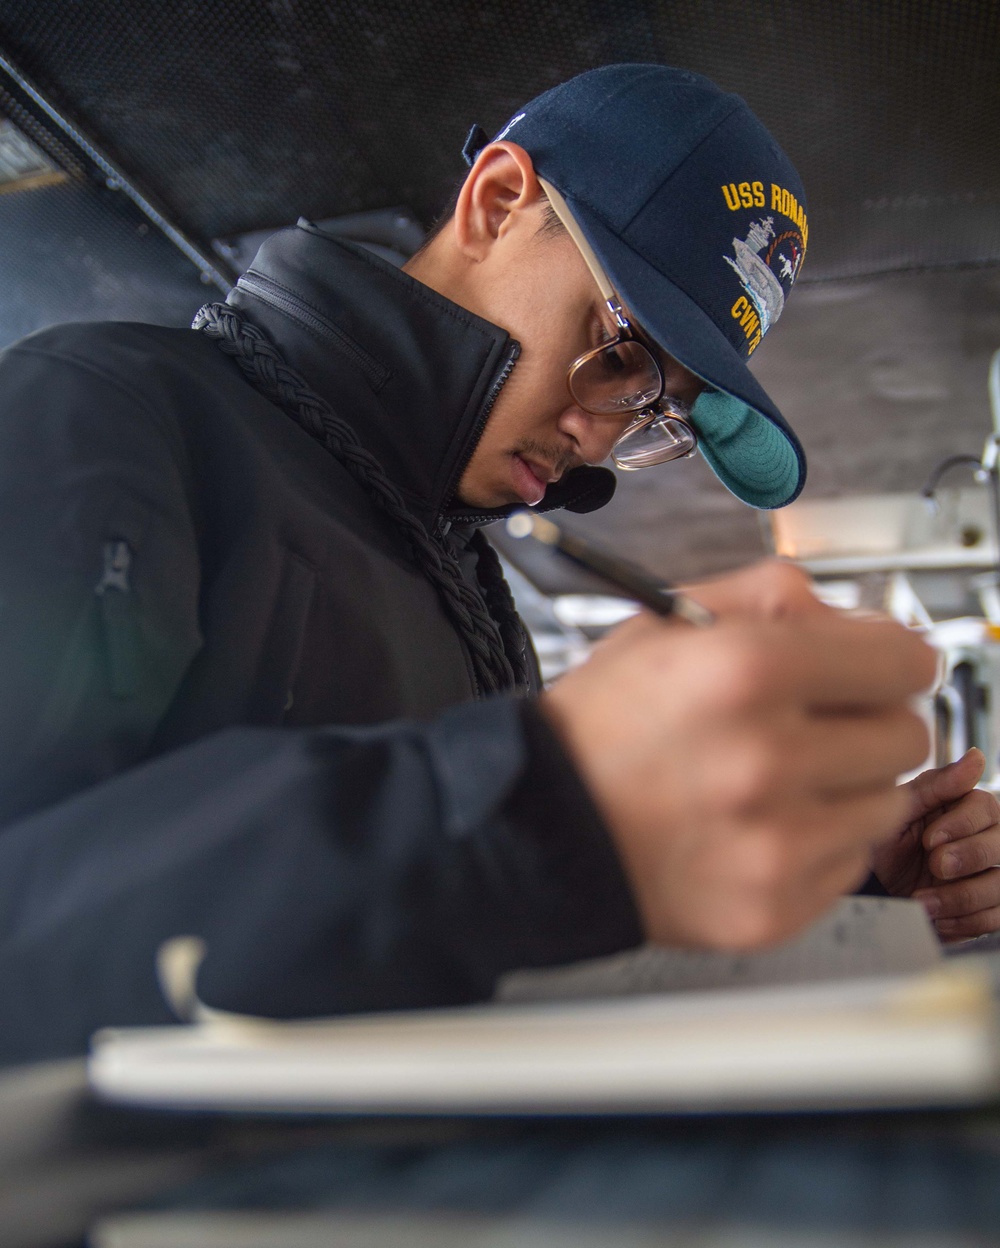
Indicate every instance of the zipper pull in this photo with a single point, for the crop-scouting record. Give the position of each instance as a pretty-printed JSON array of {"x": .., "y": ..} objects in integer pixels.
[
  {"x": 117, "y": 564},
  {"x": 118, "y": 619}
]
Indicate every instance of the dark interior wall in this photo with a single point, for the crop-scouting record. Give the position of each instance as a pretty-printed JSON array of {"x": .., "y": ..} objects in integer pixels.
[
  {"x": 242, "y": 114},
  {"x": 75, "y": 252}
]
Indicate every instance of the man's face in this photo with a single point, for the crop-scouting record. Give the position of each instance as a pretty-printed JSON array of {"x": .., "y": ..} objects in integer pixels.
[{"x": 540, "y": 290}]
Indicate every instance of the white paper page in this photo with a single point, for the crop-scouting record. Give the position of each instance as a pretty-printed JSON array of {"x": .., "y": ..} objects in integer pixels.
[{"x": 860, "y": 936}]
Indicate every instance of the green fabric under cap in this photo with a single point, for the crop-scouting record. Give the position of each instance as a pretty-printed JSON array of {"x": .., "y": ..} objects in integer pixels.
[{"x": 750, "y": 456}]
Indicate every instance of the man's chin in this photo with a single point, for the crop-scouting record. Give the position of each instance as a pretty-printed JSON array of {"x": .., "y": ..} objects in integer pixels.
[
  {"x": 524, "y": 490},
  {"x": 479, "y": 500}
]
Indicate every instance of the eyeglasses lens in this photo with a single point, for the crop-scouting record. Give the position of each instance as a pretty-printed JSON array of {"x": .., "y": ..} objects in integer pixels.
[
  {"x": 654, "y": 441},
  {"x": 621, "y": 377}
]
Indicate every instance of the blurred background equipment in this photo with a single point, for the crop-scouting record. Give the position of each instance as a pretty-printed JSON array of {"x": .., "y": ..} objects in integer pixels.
[{"x": 931, "y": 559}]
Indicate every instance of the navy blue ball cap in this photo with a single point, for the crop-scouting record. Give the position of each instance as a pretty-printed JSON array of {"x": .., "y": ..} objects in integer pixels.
[{"x": 699, "y": 220}]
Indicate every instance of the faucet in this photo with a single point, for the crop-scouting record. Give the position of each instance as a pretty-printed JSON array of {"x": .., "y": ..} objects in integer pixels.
[{"x": 987, "y": 467}]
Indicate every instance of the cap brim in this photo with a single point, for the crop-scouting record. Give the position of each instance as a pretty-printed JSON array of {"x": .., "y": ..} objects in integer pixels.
[{"x": 741, "y": 434}]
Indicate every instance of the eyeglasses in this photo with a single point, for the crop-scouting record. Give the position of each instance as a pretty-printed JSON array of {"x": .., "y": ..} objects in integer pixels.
[{"x": 622, "y": 376}]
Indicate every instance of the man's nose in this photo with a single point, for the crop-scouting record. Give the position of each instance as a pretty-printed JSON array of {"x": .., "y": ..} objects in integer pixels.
[{"x": 593, "y": 435}]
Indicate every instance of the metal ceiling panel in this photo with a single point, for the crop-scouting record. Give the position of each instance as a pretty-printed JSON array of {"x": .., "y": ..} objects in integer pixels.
[{"x": 244, "y": 114}]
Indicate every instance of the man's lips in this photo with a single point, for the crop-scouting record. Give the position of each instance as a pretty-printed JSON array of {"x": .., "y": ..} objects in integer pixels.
[{"x": 531, "y": 479}]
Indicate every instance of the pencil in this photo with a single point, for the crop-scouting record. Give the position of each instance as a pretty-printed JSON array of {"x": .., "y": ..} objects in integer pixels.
[{"x": 631, "y": 581}]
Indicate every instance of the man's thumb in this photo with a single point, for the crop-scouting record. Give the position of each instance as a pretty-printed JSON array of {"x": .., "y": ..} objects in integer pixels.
[{"x": 938, "y": 785}]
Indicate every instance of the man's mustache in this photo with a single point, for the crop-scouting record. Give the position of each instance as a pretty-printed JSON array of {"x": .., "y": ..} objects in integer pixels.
[{"x": 557, "y": 458}]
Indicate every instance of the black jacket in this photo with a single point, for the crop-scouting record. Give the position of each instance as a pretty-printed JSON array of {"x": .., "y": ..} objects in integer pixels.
[{"x": 179, "y": 558}]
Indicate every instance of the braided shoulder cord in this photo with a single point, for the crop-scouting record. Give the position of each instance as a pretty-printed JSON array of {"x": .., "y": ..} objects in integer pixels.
[
  {"x": 500, "y": 602},
  {"x": 498, "y": 658}
]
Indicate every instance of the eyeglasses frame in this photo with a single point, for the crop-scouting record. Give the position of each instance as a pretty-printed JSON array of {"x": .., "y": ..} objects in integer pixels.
[{"x": 650, "y": 411}]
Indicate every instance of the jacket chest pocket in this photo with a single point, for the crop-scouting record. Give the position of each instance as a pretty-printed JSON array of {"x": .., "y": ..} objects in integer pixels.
[{"x": 282, "y": 649}]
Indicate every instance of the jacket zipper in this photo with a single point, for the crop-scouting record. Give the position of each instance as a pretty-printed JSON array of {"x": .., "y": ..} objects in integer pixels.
[
  {"x": 114, "y": 590},
  {"x": 513, "y": 352},
  {"x": 486, "y": 517},
  {"x": 285, "y": 301}
]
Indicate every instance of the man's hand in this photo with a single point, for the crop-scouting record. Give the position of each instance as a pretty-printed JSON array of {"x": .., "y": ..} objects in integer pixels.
[
  {"x": 769, "y": 590},
  {"x": 746, "y": 770},
  {"x": 946, "y": 851}
]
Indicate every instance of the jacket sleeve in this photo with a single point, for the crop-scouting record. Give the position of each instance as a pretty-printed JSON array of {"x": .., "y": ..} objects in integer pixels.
[
  {"x": 98, "y": 572},
  {"x": 327, "y": 870}
]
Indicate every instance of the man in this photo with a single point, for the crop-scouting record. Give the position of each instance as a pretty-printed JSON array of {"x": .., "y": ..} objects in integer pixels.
[{"x": 201, "y": 575}]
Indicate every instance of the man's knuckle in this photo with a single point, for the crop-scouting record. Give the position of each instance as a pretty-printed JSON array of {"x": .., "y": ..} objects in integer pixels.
[
  {"x": 971, "y": 857},
  {"x": 984, "y": 807},
  {"x": 988, "y": 920},
  {"x": 953, "y": 929},
  {"x": 958, "y": 900},
  {"x": 747, "y": 673},
  {"x": 788, "y": 577},
  {"x": 961, "y": 899},
  {"x": 753, "y": 926},
  {"x": 785, "y": 585},
  {"x": 767, "y": 932},
  {"x": 962, "y": 824},
  {"x": 753, "y": 778},
  {"x": 768, "y": 863},
  {"x": 979, "y": 845},
  {"x": 958, "y": 827},
  {"x": 977, "y": 924}
]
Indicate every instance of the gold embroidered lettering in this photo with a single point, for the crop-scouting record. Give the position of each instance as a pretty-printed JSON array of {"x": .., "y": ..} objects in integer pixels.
[
  {"x": 744, "y": 312},
  {"x": 783, "y": 201},
  {"x": 732, "y": 196}
]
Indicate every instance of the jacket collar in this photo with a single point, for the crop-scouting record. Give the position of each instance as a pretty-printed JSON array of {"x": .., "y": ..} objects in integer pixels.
[{"x": 413, "y": 373}]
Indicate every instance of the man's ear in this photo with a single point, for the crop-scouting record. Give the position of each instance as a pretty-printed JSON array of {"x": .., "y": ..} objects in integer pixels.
[{"x": 501, "y": 184}]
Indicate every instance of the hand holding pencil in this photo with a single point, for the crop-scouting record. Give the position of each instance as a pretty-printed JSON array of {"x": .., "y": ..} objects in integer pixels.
[{"x": 746, "y": 770}]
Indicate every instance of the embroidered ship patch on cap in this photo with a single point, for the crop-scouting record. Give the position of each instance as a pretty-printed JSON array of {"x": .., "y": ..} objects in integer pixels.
[{"x": 766, "y": 261}]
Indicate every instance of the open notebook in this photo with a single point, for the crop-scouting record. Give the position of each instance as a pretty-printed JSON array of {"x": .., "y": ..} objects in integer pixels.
[{"x": 858, "y": 1011}]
